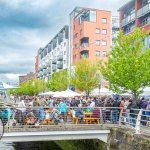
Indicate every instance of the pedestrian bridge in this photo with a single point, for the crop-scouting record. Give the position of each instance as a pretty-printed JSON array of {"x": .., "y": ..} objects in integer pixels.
[{"x": 101, "y": 134}]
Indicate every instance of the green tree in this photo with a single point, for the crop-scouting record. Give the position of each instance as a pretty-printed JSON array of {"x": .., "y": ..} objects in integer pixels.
[
  {"x": 128, "y": 67},
  {"x": 32, "y": 87},
  {"x": 86, "y": 76},
  {"x": 59, "y": 81}
]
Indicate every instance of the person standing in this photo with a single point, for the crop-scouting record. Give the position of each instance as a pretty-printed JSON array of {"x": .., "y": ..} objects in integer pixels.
[
  {"x": 115, "y": 112},
  {"x": 62, "y": 108}
]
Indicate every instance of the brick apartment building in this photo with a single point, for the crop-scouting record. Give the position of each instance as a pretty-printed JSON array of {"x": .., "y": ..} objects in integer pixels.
[
  {"x": 136, "y": 13},
  {"x": 90, "y": 32},
  {"x": 27, "y": 77}
]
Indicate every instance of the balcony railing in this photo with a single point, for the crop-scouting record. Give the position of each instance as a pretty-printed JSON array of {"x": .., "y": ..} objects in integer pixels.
[
  {"x": 144, "y": 10},
  {"x": 60, "y": 65},
  {"x": 54, "y": 61},
  {"x": 146, "y": 22},
  {"x": 128, "y": 19},
  {"x": 60, "y": 57},
  {"x": 84, "y": 45}
]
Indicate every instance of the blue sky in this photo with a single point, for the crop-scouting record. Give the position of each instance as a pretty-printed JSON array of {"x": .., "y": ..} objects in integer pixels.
[{"x": 27, "y": 25}]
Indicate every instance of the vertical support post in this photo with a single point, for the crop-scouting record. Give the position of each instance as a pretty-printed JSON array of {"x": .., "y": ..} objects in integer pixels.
[
  {"x": 120, "y": 117},
  {"x": 138, "y": 121},
  {"x": 8, "y": 123}
]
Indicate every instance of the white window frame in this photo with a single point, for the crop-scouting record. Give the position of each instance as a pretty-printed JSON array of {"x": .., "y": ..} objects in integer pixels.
[{"x": 96, "y": 43}]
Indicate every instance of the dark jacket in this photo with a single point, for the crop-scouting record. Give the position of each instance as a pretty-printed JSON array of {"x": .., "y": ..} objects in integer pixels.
[{"x": 78, "y": 112}]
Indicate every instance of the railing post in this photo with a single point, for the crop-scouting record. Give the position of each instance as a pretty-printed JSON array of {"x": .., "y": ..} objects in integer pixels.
[
  {"x": 8, "y": 110},
  {"x": 120, "y": 117},
  {"x": 138, "y": 121}
]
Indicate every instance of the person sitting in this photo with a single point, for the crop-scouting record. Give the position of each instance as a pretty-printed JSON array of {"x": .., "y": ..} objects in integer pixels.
[
  {"x": 79, "y": 112},
  {"x": 88, "y": 109}
]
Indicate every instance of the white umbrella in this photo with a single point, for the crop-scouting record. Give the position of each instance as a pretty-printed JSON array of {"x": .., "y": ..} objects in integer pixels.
[
  {"x": 47, "y": 93},
  {"x": 103, "y": 91},
  {"x": 67, "y": 93}
]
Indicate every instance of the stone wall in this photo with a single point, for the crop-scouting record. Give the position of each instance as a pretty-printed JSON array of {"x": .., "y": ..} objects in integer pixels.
[{"x": 119, "y": 139}]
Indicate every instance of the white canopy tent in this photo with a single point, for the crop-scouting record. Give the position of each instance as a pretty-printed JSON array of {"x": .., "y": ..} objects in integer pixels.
[
  {"x": 47, "y": 93},
  {"x": 146, "y": 92},
  {"x": 103, "y": 91},
  {"x": 4, "y": 86},
  {"x": 67, "y": 93}
]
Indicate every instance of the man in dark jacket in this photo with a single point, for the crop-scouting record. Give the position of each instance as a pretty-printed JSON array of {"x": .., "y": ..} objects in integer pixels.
[{"x": 115, "y": 112}]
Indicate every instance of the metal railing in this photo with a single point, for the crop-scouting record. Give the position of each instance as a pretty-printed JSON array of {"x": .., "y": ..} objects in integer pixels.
[
  {"x": 128, "y": 19},
  {"x": 144, "y": 10},
  {"x": 136, "y": 119}
]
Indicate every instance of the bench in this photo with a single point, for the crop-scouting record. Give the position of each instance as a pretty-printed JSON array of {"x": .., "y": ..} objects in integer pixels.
[
  {"x": 76, "y": 120},
  {"x": 87, "y": 120},
  {"x": 49, "y": 121}
]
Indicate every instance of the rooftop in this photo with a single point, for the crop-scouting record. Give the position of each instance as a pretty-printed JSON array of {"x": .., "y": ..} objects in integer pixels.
[{"x": 128, "y": 4}]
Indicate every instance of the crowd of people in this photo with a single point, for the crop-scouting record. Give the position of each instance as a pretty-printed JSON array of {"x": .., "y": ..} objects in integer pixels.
[{"x": 107, "y": 108}]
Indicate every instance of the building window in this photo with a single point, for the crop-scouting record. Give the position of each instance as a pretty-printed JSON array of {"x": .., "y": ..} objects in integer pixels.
[
  {"x": 104, "y": 31},
  {"x": 97, "y": 30},
  {"x": 97, "y": 53},
  {"x": 93, "y": 16},
  {"x": 104, "y": 42},
  {"x": 64, "y": 52},
  {"x": 97, "y": 42},
  {"x": 104, "y": 53},
  {"x": 64, "y": 44},
  {"x": 104, "y": 20},
  {"x": 64, "y": 61}
]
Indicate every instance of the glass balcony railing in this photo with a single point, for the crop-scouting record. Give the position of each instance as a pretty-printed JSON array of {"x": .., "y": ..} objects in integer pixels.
[
  {"x": 54, "y": 61},
  {"x": 60, "y": 57},
  {"x": 128, "y": 19},
  {"x": 60, "y": 65},
  {"x": 143, "y": 11},
  {"x": 84, "y": 45}
]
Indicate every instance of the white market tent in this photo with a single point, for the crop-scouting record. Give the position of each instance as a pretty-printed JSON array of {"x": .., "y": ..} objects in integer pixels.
[
  {"x": 67, "y": 93},
  {"x": 103, "y": 91},
  {"x": 47, "y": 93},
  {"x": 4, "y": 86},
  {"x": 146, "y": 92}
]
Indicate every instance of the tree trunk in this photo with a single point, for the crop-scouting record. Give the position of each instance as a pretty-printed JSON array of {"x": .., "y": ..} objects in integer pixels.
[{"x": 135, "y": 97}]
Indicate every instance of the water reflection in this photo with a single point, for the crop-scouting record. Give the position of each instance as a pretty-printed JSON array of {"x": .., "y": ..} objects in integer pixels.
[{"x": 30, "y": 146}]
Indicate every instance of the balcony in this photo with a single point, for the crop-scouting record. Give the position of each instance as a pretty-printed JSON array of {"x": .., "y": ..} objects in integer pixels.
[
  {"x": 60, "y": 65},
  {"x": 44, "y": 71},
  {"x": 44, "y": 67},
  {"x": 49, "y": 70},
  {"x": 128, "y": 19},
  {"x": 85, "y": 45},
  {"x": 54, "y": 61},
  {"x": 60, "y": 57},
  {"x": 84, "y": 42},
  {"x": 145, "y": 22},
  {"x": 143, "y": 11},
  {"x": 84, "y": 54},
  {"x": 54, "y": 68}
]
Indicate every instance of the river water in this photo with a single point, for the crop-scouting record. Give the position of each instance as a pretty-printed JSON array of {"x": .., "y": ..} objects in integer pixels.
[{"x": 30, "y": 146}]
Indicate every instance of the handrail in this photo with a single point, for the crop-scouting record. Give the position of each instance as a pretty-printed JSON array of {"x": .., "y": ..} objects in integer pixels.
[{"x": 136, "y": 119}]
